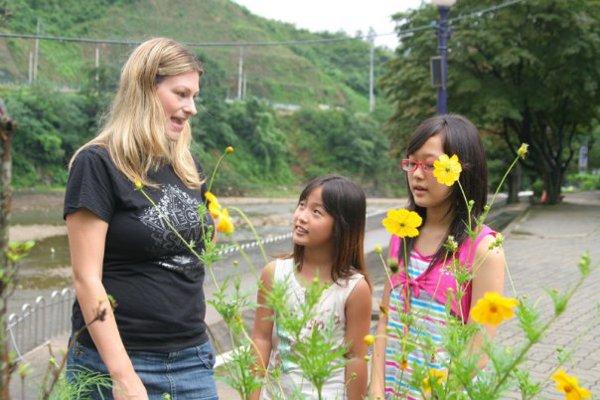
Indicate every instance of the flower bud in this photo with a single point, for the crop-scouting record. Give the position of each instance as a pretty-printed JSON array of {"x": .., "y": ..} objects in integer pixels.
[
  {"x": 229, "y": 150},
  {"x": 378, "y": 249},
  {"x": 451, "y": 245},
  {"x": 523, "y": 150},
  {"x": 392, "y": 265}
]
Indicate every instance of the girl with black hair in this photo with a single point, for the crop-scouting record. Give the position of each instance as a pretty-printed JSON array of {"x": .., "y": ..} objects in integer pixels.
[
  {"x": 328, "y": 235},
  {"x": 429, "y": 284}
]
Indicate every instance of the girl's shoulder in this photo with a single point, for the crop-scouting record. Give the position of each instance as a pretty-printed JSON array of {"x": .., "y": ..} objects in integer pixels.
[
  {"x": 281, "y": 268},
  {"x": 484, "y": 233},
  {"x": 469, "y": 248},
  {"x": 347, "y": 284}
]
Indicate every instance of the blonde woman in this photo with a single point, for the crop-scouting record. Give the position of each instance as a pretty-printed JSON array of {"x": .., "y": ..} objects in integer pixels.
[{"x": 155, "y": 342}]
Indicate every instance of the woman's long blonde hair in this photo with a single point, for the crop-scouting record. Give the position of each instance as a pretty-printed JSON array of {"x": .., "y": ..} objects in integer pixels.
[{"x": 134, "y": 131}]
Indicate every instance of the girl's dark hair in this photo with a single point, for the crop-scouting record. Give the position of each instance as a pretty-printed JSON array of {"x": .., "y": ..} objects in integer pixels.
[
  {"x": 459, "y": 137},
  {"x": 345, "y": 202}
]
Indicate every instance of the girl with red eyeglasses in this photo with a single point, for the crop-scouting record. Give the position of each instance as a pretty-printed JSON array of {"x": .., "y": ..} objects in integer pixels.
[{"x": 444, "y": 214}]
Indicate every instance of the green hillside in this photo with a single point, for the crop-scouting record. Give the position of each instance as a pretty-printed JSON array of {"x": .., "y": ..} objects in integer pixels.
[
  {"x": 275, "y": 150},
  {"x": 333, "y": 73}
]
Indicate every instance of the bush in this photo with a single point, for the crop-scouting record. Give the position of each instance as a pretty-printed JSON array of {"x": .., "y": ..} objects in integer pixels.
[{"x": 586, "y": 181}]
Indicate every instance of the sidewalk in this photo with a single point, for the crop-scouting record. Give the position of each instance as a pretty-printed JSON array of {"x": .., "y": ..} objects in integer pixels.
[{"x": 542, "y": 249}]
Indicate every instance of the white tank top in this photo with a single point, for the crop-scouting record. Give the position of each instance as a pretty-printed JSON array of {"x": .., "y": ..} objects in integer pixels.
[{"x": 329, "y": 313}]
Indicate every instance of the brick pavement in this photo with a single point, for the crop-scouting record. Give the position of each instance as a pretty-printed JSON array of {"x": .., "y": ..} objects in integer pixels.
[{"x": 542, "y": 250}]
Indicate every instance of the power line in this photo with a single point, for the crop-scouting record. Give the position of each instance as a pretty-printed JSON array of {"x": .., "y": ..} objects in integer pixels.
[
  {"x": 479, "y": 13},
  {"x": 127, "y": 42}
]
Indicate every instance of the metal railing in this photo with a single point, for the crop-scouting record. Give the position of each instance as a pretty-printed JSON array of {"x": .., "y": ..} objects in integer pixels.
[{"x": 40, "y": 321}]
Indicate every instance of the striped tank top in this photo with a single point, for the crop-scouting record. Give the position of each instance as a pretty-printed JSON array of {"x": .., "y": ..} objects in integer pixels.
[{"x": 425, "y": 329}]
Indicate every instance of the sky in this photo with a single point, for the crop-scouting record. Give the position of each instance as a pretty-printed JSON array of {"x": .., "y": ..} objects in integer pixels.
[{"x": 335, "y": 15}]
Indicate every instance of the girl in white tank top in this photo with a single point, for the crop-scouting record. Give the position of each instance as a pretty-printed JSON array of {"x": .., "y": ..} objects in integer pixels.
[{"x": 328, "y": 234}]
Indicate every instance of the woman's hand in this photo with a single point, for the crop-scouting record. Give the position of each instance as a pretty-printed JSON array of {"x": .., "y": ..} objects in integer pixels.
[{"x": 129, "y": 387}]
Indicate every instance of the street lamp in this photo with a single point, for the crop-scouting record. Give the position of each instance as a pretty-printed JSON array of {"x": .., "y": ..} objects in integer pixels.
[{"x": 443, "y": 34}]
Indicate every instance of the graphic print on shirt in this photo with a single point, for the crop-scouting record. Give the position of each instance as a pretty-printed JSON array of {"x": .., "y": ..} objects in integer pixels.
[{"x": 181, "y": 210}]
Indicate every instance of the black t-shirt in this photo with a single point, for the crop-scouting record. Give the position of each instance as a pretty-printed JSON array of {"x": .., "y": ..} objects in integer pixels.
[{"x": 154, "y": 278}]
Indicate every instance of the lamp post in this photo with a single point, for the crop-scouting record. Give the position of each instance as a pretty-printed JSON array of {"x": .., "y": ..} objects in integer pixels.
[{"x": 443, "y": 34}]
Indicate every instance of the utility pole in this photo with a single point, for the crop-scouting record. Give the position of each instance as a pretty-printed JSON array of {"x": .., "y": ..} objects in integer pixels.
[
  {"x": 244, "y": 86},
  {"x": 97, "y": 64},
  {"x": 240, "y": 73},
  {"x": 30, "y": 70},
  {"x": 36, "y": 52},
  {"x": 372, "y": 70}
]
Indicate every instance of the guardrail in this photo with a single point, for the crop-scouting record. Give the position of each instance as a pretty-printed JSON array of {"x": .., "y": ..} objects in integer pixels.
[{"x": 40, "y": 321}]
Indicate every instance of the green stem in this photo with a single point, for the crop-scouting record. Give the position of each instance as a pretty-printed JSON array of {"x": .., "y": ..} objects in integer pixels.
[
  {"x": 246, "y": 257},
  {"x": 500, "y": 186},
  {"x": 254, "y": 233},
  {"x": 468, "y": 208},
  {"x": 385, "y": 268},
  {"x": 214, "y": 173},
  {"x": 510, "y": 279}
]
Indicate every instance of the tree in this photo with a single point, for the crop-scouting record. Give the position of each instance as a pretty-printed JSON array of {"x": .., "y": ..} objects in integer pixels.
[{"x": 528, "y": 73}]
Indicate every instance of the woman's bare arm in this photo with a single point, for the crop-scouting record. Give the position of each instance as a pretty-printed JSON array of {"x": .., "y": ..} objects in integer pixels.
[{"x": 87, "y": 238}]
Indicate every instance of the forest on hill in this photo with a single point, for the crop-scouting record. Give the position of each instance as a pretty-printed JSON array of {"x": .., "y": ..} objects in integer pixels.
[{"x": 325, "y": 83}]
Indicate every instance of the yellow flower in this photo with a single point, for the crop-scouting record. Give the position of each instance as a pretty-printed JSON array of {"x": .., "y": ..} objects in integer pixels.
[
  {"x": 211, "y": 198},
  {"x": 447, "y": 170},
  {"x": 369, "y": 340},
  {"x": 569, "y": 385},
  {"x": 139, "y": 185},
  {"x": 434, "y": 377},
  {"x": 523, "y": 150},
  {"x": 229, "y": 150},
  {"x": 225, "y": 225},
  {"x": 214, "y": 208},
  {"x": 402, "y": 223},
  {"x": 493, "y": 309},
  {"x": 378, "y": 249}
]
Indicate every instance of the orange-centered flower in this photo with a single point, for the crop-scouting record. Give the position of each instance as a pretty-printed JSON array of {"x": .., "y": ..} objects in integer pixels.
[
  {"x": 493, "y": 309},
  {"x": 569, "y": 385},
  {"x": 446, "y": 170}
]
